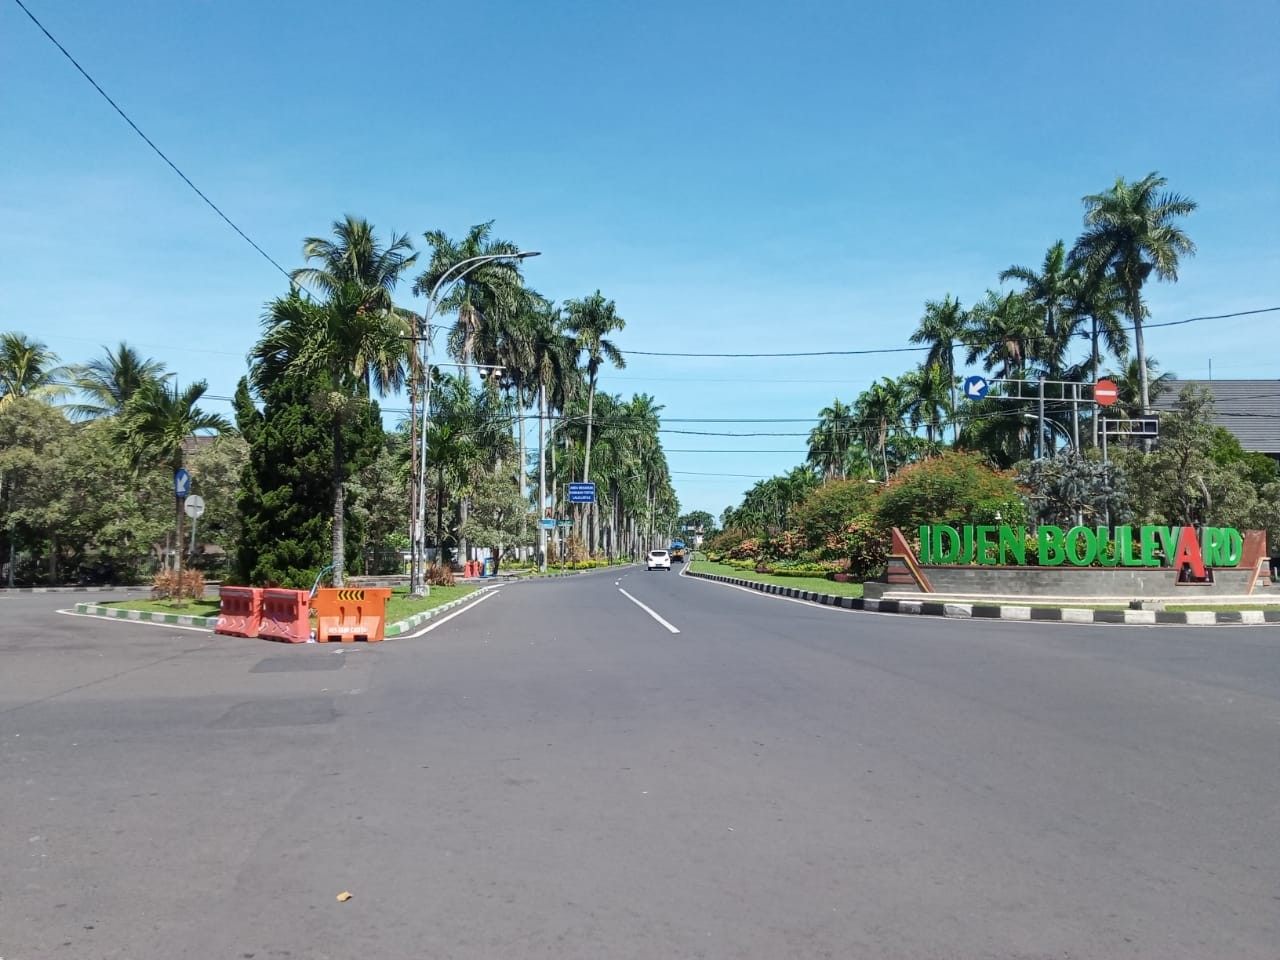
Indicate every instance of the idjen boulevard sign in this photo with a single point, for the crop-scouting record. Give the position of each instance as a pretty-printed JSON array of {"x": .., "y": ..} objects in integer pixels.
[{"x": 1182, "y": 548}]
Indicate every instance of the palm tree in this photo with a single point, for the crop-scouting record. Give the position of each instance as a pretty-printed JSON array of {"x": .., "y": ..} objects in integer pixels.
[
  {"x": 354, "y": 341},
  {"x": 334, "y": 344},
  {"x": 830, "y": 440},
  {"x": 1005, "y": 332},
  {"x": 881, "y": 408},
  {"x": 943, "y": 325},
  {"x": 156, "y": 424},
  {"x": 1128, "y": 381},
  {"x": 108, "y": 382},
  {"x": 1052, "y": 291},
  {"x": 28, "y": 368},
  {"x": 553, "y": 352},
  {"x": 477, "y": 295},
  {"x": 1131, "y": 233},
  {"x": 926, "y": 399},
  {"x": 515, "y": 356},
  {"x": 356, "y": 257},
  {"x": 589, "y": 319}
]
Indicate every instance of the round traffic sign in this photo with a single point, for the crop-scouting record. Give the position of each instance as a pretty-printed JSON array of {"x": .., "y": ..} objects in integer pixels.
[
  {"x": 194, "y": 506},
  {"x": 1105, "y": 392}
]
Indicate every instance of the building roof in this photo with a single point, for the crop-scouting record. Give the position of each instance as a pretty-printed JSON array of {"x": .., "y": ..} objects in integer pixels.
[{"x": 1248, "y": 408}]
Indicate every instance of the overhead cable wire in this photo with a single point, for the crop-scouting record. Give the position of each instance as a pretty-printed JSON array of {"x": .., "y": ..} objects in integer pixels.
[
  {"x": 876, "y": 351},
  {"x": 150, "y": 143}
]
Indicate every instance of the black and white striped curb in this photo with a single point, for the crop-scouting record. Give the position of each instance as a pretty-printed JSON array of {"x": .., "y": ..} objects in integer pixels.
[
  {"x": 418, "y": 619},
  {"x": 983, "y": 611},
  {"x": 208, "y": 623},
  {"x": 147, "y": 616}
]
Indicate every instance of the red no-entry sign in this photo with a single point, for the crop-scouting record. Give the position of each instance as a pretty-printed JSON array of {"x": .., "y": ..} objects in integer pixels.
[{"x": 1105, "y": 392}]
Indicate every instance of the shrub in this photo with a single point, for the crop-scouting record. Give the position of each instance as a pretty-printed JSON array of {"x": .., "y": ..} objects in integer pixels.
[
  {"x": 954, "y": 488},
  {"x": 440, "y": 575},
  {"x": 830, "y": 508},
  {"x": 167, "y": 586},
  {"x": 725, "y": 540},
  {"x": 746, "y": 550},
  {"x": 803, "y": 570},
  {"x": 864, "y": 544},
  {"x": 787, "y": 545}
]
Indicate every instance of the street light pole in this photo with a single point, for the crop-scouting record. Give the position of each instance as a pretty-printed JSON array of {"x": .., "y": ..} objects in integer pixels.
[{"x": 418, "y": 584}]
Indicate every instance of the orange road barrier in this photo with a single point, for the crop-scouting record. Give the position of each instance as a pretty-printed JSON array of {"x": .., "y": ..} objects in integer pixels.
[
  {"x": 345, "y": 614},
  {"x": 285, "y": 616},
  {"x": 240, "y": 611}
]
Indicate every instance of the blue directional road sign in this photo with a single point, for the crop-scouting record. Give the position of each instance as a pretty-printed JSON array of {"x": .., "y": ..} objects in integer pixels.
[
  {"x": 549, "y": 523},
  {"x": 975, "y": 387},
  {"x": 582, "y": 493},
  {"x": 181, "y": 483}
]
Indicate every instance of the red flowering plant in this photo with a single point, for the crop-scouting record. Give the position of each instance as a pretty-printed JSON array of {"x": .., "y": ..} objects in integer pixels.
[{"x": 864, "y": 543}]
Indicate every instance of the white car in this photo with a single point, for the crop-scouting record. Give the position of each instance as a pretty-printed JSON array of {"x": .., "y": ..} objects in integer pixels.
[{"x": 659, "y": 560}]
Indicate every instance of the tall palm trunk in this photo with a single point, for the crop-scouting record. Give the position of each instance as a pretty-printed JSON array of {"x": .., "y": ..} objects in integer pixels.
[
  {"x": 951, "y": 379},
  {"x": 177, "y": 554},
  {"x": 464, "y": 548},
  {"x": 520, "y": 472},
  {"x": 415, "y": 536},
  {"x": 542, "y": 475},
  {"x": 1139, "y": 347},
  {"x": 586, "y": 463},
  {"x": 440, "y": 516},
  {"x": 1093, "y": 370},
  {"x": 339, "y": 504}
]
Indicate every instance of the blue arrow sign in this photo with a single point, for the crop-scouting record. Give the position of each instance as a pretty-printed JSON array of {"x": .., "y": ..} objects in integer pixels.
[
  {"x": 582, "y": 493},
  {"x": 181, "y": 483},
  {"x": 975, "y": 387}
]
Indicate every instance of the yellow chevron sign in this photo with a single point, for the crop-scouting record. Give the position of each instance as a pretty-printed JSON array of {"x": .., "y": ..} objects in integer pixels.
[{"x": 350, "y": 594}]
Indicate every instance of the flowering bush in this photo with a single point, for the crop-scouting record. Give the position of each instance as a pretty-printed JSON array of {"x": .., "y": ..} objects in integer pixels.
[
  {"x": 954, "y": 488},
  {"x": 830, "y": 507},
  {"x": 864, "y": 543},
  {"x": 746, "y": 550},
  {"x": 787, "y": 545}
]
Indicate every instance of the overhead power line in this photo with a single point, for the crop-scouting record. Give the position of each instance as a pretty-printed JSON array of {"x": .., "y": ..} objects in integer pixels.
[
  {"x": 150, "y": 143},
  {"x": 876, "y": 351}
]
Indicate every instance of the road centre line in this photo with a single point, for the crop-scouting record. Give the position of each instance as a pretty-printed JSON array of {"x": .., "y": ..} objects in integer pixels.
[{"x": 651, "y": 612}]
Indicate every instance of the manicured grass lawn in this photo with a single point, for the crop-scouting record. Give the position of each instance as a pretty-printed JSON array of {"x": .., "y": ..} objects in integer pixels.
[
  {"x": 194, "y": 608},
  {"x": 399, "y": 607},
  {"x": 816, "y": 584}
]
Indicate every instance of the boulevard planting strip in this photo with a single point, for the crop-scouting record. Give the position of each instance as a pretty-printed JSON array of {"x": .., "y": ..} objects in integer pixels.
[{"x": 982, "y": 611}]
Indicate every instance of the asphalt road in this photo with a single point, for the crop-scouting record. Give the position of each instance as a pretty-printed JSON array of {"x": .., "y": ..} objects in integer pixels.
[{"x": 556, "y": 774}]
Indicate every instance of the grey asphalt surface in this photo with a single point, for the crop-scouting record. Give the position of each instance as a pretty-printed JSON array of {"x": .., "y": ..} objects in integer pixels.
[{"x": 554, "y": 774}]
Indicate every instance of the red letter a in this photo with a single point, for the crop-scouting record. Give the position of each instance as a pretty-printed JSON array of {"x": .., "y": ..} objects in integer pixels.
[{"x": 1188, "y": 552}]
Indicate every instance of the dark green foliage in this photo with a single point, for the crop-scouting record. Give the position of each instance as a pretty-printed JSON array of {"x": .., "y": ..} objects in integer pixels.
[
  {"x": 1197, "y": 474},
  {"x": 1069, "y": 489},
  {"x": 286, "y": 490},
  {"x": 695, "y": 520},
  {"x": 830, "y": 509},
  {"x": 1226, "y": 451},
  {"x": 955, "y": 488}
]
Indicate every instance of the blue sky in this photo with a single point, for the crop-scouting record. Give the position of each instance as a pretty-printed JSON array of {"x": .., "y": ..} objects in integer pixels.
[{"x": 737, "y": 176}]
